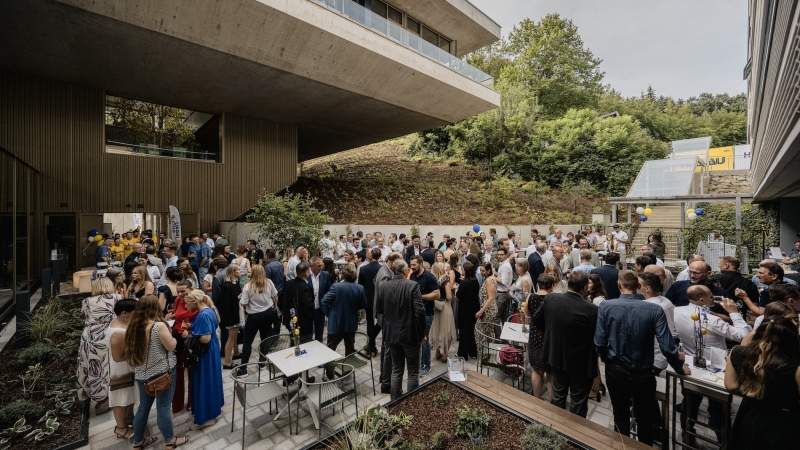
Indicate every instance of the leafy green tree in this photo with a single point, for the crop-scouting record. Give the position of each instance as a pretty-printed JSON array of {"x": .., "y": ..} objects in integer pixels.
[
  {"x": 290, "y": 220},
  {"x": 491, "y": 59},
  {"x": 550, "y": 59},
  {"x": 149, "y": 123}
]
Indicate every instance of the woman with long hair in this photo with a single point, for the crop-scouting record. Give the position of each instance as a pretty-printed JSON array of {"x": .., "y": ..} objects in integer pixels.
[
  {"x": 207, "y": 374},
  {"x": 141, "y": 284},
  {"x": 451, "y": 247},
  {"x": 117, "y": 277},
  {"x": 188, "y": 273},
  {"x": 260, "y": 300},
  {"x": 597, "y": 294},
  {"x": 93, "y": 368},
  {"x": 329, "y": 266},
  {"x": 540, "y": 367},
  {"x": 168, "y": 291},
  {"x": 443, "y": 329},
  {"x": 524, "y": 285},
  {"x": 468, "y": 306},
  {"x": 153, "y": 271},
  {"x": 244, "y": 265},
  {"x": 213, "y": 268},
  {"x": 230, "y": 311},
  {"x": 183, "y": 318},
  {"x": 287, "y": 255},
  {"x": 560, "y": 285},
  {"x": 120, "y": 399},
  {"x": 488, "y": 294},
  {"x": 766, "y": 372},
  {"x": 454, "y": 272},
  {"x": 148, "y": 349},
  {"x": 659, "y": 247}
]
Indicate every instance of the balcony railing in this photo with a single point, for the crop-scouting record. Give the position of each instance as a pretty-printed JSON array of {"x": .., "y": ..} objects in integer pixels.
[{"x": 391, "y": 30}]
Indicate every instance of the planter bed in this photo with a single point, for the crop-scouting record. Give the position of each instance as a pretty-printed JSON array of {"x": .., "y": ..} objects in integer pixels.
[{"x": 56, "y": 374}]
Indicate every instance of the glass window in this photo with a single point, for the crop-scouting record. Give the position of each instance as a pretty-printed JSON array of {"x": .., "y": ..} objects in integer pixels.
[
  {"x": 395, "y": 16},
  {"x": 444, "y": 44},
  {"x": 137, "y": 127},
  {"x": 412, "y": 25},
  {"x": 379, "y": 8},
  {"x": 430, "y": 36}
]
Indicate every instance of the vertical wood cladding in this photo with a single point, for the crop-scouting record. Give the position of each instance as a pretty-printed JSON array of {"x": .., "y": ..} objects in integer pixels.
[{"x": 59, "y": 129}]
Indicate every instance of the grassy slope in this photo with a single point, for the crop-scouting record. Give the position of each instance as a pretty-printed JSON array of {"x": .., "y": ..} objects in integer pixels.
[{"x": 382, "y": 184}]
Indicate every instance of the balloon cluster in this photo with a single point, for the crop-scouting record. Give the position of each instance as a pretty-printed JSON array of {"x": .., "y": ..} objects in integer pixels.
[
  {"x": 693, "y": 213},
  {"x": 644, "y": 213},
  {"x": 476, "y": 230},
  {"x": 94, "y": 236}
]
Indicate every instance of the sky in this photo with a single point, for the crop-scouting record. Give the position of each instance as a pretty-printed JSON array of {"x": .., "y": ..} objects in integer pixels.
[{"x": 681, "y": 48}]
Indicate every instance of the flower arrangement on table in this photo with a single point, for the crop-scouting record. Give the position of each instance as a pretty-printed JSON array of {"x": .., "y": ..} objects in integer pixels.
[
  {"x": 295, "y": 331},
  {"x": 700, "y": 330},
  {"x": 523, "y": 318}
]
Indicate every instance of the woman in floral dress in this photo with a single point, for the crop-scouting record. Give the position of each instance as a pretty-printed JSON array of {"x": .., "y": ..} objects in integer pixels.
[
  {"x": 487, "y": 315},
  {"x": 93, "y": 353}
]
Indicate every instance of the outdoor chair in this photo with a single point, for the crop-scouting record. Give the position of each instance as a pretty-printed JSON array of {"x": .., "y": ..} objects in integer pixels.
[
  {"x": 489, "y": 349},
  {"x": 270, "y": 345},
  {"x": 329, "y": 394},
  {"x": 252, "y": 393},
  {"x": 354, "y": 359}
]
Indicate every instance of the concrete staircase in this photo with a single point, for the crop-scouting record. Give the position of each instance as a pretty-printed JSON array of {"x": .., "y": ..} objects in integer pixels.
[{"x": 668, "y": 219}]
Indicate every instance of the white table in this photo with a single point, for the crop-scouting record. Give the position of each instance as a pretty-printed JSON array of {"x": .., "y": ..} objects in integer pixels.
[
  {"x": 317, "y": 355},
  {"x": 512, "y": 332}
]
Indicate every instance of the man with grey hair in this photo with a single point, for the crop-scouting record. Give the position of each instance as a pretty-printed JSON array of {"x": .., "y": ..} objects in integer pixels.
[
  {"x": 291, "y": 265},
  {"x": 384, "y": 274},
  {"x": 586, "y": 261},
  {"x": 399, "y": 301}
]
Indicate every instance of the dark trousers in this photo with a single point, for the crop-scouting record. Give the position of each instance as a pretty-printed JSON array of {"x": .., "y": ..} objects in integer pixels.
[
  {"x": 386, "y": 367},
  {"x": 577, "y": 387},
  {"x": 372, "y": 328},
  {"x": 260, "y": 323},
  {"x": 404, "y": 355},
  {"x": 624, "y": 385},
  {"x": 319, "y": 324},
  {"x": 349, "y": 346},
  {"x": 715, "y": 411}
]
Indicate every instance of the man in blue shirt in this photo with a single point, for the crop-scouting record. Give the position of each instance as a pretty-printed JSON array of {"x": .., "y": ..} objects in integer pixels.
[
  {"x": 103, "y": 254},
  {"x": 624, "y": 337},
  {"x": 429, "y": 288},
  {"x": 199, "y": 256}
]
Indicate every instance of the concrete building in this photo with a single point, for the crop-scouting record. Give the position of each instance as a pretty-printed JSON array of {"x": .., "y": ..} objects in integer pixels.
[
  {"x": 774, "y": 109},
  {"x": 236, "y": 94}
]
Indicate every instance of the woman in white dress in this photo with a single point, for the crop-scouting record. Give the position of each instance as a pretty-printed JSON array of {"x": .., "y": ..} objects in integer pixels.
[
  {"x": 121, "y": 392},
  {"x": 443, "y": 329}
]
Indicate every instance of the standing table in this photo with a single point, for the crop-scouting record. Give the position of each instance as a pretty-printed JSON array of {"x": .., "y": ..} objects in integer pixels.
[
  {"x": 317, "y": 354},
  {"x": 512, "y": 332}
]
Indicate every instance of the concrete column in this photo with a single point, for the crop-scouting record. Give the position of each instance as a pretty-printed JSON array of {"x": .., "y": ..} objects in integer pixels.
[
  {"x": 613, "y": 213},
  {"x": 629, "y": 213}
]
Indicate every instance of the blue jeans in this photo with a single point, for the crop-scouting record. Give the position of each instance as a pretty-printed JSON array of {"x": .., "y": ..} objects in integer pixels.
[
  {"x": 163, "y": 413},
  {"x": 260, "y": 323},
  {"x": 426, "y": 347}
]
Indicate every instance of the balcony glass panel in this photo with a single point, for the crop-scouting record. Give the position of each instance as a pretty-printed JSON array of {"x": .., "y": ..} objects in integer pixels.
[{"x": 407, "y": 37}]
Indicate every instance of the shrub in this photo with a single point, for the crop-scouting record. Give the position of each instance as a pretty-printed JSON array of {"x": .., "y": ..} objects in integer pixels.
[
  {"x": 472, "y": 423},
  {"x": 47, "y": 323},
  {"x": 440, "y": 440},
  {"x": 442, "y": 398},
  {"x": 540, "y": 437},
  {"x": 20, "y": 408},
  {"x": 39, "y": 352}
]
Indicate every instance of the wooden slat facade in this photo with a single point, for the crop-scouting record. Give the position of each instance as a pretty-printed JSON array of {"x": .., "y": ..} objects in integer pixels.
[{"x": 58, "y": 128}]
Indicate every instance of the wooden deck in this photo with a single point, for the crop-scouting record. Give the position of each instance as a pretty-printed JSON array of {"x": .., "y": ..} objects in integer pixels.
[{"x": 563, "y": 421}]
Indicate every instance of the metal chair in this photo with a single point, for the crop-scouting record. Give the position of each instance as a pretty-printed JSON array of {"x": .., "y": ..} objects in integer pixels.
[
  {"x": 252, "y": 393},
  {"x": 353, "y": 359},
  {"x": 270, "y": 345},
  {"x": 329, "y": 394},
  {"x": 489, "y": 349}
]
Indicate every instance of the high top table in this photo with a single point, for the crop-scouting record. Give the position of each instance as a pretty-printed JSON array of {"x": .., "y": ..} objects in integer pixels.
[{"x": 317, "y": 354}]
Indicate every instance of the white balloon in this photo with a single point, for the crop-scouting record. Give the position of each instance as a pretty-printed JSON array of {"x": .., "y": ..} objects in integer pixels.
[
  {"x": 91, "y": 239},
  {"x": 692, "y": 216},
  {"x": 640, "y": 210}
]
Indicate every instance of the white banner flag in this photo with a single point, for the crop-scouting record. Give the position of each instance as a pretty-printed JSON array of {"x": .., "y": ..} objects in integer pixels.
[{"x": 174, "y": 223}]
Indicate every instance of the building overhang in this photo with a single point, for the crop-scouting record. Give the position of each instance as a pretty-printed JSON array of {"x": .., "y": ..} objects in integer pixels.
[{"x": 291, "y": 62}]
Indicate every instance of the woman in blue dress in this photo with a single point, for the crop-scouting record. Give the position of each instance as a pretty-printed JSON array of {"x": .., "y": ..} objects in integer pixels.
[{"x": 207, "y": 394}]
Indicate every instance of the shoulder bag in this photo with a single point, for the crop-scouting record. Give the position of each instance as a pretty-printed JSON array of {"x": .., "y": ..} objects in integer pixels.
[
  {"x": 438, "y": 304},
  {"x": 161, "y": 383}
]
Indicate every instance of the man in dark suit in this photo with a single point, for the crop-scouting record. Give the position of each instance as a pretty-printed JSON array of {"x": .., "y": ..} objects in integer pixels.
[
  {"x": 568, "y": 322},
  {"x": 342, "y": 304},
  {"x": 320, "y": 282},
  {"x": 609, "y": 274},
  {"x": 535, "y": 263},
  {"x": 400, "y": 302},
  {"x": 384, "y": 274},
  {"x": 297, "y": 295},
  {"x": 366, "y": 278},
  {"x": 429, "y": 254},
  {"x": 413, "y": 249}
]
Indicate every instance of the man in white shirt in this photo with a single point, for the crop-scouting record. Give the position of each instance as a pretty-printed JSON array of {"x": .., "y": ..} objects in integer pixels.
[
  {"x": 384, "y": 249},
  {"x": 558, "y": 237},
  {"x": 505, "y": 278},
  {"x": 650, "y": 288},
  {"x": 395, "y": 243},
  {"x": 619, "y": 239},
  {"x": 591, "y": 237},
  {"x": 717, "y": 330},
  {"x": 291, "y": 265},
  {"x": 488, "y": 249},
  {"x": 342, "y": 246},
  {"x": 558, "y": 255},
  {"x": 532, "y": 248},
  {"x": 328, "y": 246},
  {"x": 512, "y": 247},
  {"x": 170, "y": 252},
  {"x": 684, "y": 274}
]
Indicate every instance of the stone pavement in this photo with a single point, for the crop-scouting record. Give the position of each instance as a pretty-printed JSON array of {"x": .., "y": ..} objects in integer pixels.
[{"x": 261, "y": 432}]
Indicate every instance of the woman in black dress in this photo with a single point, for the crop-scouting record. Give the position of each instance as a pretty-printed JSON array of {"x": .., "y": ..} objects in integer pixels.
[
  {"x": 767, "y": 374},
  {"x": 468, "y": 306},
  {"x": 546, "y": 283},
  {"x": 230, "y": 312}
]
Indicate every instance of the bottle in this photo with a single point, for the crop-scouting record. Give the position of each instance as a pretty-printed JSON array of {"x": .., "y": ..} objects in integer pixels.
[{"x": 681, "y": 355}]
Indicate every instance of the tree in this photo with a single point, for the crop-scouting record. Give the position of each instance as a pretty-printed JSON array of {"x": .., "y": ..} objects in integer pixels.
[
  {"x": 290, "y": 220},
  {"x": 550, "y": 59},
  {"x": 149, "y": 123},
  {"x": 490, "y": 59}
]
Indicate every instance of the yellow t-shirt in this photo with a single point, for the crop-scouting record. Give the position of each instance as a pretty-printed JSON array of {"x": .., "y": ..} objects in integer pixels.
[
  {"x": 118, "y": 251},
  {"x": 128, "y": 246}
]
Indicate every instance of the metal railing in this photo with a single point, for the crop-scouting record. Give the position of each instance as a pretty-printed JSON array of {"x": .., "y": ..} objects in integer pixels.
[
  {"x": 154, "y": 150},
  {"x": 397, "y": 33}
]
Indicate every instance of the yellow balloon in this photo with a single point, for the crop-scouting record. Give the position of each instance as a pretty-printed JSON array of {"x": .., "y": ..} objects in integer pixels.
[
  {"x": 98, "y": 238},
  {"x": 695, "y": 316},
  {"x": 689, "y": 211},
  {"x": 703, "y": 331},
  {"x": 648, "y": 212},
  {"x": 474, "y": 234}
]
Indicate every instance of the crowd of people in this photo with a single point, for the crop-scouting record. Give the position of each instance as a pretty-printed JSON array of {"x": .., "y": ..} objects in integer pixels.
[{"x": 422, "y": 297}]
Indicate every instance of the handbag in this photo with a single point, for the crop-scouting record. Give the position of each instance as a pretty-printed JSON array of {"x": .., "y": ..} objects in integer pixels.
[
  {"x": 159, "y": 384},
  {"x": 122, "y": 382},
  {"x": 438, "y": 304}
]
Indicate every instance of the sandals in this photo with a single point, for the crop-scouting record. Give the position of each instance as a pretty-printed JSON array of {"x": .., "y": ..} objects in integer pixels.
[
  {"x": 597, "y": 395},
  {"x": 174, "y": 442},
  {"x": 146, "y": 443},
  {"x": 126, "y": 435}
]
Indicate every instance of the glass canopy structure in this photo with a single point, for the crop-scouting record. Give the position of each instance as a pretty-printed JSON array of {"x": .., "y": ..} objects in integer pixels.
[
  {"x": 665, "y": 178},
  {"x": 691, "y": 147}
]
